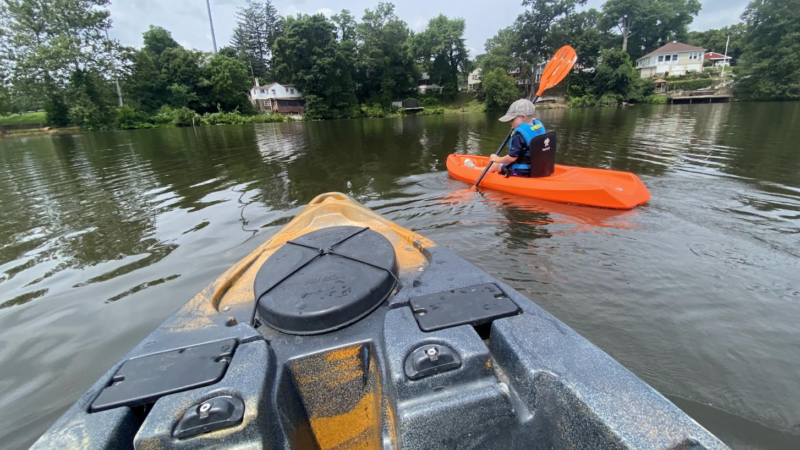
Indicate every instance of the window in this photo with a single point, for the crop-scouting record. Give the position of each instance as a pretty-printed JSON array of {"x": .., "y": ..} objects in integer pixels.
[
  {"x": 273, "y": 92},
  {"x": 675, "y": 57},
  {"x": 291, "y": 91},
  {"x": 262, "y": 91},
  {"x": 661, "y": 58},
  {"x": 476, "y": 77}
]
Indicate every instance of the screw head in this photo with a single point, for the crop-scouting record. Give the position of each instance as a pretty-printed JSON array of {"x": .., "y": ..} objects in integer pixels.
[
  {"x": 432, "y": 351},
  {"x": 205, "y": 407}
]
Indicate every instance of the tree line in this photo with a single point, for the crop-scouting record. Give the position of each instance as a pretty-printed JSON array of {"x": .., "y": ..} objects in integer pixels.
[{"x": 56, "y": 56}]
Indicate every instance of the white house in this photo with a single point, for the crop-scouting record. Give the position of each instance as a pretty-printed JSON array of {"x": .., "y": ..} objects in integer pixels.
[
  {"x": 282, "y": 98},
  {"x": 674, "y": 58},
  {"x": 426, "y": 85},
  {"x": 474, "y": 79}
]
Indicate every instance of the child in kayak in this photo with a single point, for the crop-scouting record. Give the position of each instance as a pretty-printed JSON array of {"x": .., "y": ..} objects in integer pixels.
[{"x": 518, "y": 161}]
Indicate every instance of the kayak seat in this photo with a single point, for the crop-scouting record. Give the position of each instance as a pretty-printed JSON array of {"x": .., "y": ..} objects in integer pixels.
[{"x": 543, "y": 155}]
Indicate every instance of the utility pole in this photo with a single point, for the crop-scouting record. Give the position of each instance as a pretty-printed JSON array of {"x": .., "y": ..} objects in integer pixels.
[
  {"x": 116, "y": 80},
  {"x": 725, "y": 59},
  {"x": 211, "y": 22}
]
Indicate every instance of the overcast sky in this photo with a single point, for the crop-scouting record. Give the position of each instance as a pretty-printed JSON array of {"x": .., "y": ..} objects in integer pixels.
[{"x": 188, "y": 19}]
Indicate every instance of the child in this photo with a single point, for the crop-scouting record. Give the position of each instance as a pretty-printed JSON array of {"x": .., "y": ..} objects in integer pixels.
[{"x": 518, "y": 161}]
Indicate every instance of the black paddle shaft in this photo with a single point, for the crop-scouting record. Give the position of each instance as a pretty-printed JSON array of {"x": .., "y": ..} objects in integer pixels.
[{"x": 499, "y": 150}]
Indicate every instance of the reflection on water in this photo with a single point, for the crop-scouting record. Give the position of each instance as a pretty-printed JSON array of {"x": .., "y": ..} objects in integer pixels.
[{"x": 104, "y": 235}]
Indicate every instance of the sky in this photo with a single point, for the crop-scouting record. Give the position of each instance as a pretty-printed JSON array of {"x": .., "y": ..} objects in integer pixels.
[{"x": 188, "y": 19}]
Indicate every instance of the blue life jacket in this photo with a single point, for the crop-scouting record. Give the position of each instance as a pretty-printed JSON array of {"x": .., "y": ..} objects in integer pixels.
[{"x": 528, "y": 132}]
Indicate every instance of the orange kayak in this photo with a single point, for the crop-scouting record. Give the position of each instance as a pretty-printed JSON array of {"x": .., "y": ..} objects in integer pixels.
[{"x": 577, "y": 185}]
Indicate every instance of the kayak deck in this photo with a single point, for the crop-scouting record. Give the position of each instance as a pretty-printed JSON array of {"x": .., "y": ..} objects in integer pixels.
[
  {"x": 450, "y": 358},
  {"x": 577, "y": 185}
]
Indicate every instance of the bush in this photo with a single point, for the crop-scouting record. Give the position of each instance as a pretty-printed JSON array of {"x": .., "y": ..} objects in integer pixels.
[
  {"x": 430, "y": 100},
  {"x": 655, "y": 100},
  {"x": 375, "y": 110},
  {"x": 131, "y": 119},
  {"x": 585, "y": 101},
  {"x": 499, "y": 89},
  {"x": 436, "y": 111}
]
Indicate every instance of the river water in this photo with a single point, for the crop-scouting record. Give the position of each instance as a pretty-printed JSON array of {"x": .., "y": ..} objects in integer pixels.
[{"x": 104, "y": 235}]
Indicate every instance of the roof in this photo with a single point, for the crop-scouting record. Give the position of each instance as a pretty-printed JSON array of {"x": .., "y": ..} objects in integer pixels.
[
  {"x": 661, "y": 80},
  {"x": 715, "y": 55},
  {"x": 267, "y": 86},
  {"x": 674, "y": 47}
]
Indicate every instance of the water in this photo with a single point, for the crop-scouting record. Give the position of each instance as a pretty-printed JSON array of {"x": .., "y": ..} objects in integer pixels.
[{"x": 104, "y": 235}]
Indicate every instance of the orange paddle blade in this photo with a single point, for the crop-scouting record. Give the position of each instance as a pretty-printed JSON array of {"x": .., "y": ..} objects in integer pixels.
[{"x": 558, "y": 68}]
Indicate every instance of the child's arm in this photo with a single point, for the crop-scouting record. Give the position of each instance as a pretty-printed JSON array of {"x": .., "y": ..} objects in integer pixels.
[{"x": 502, "y": 159}]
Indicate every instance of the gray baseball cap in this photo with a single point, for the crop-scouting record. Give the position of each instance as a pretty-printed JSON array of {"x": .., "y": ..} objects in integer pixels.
[{"x": 518, "y": 108}]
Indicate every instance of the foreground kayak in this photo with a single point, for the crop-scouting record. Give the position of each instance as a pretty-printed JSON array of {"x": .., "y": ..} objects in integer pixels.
[
  {"x": 346, "y": 331},
  {"x": 577, "y": 185}
]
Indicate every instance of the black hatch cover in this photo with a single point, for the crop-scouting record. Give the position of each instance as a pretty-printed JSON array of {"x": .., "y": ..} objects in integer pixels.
[
  {"x": 474, "y": 305},
  {"x": 325, "y": 280},
  {"x": 144, "y": 379}
]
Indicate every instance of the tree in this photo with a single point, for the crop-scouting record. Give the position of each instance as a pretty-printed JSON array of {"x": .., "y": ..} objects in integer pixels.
[
  {"x": 257, "y": 27},
  {"x": 715, "y": 40},
  {"x": 230, "y": 82},
  {"x": 770, "y": 62},
  {"x": 164, "y": 72},
  {"x": 649, "y": 24},
  {"x": 534, "y": 27},
  {"x": 498, "y": 88},
  {"x": 617, "y": 79},
  {"x": 581, "y": 31},
  {"x": 386, "y": 68},
  {"x": 48, "y": 42},
  {"x": 500, "y": 51},
  {"x": 308, "y": 54},
  {"x": 441, "y": 51}
]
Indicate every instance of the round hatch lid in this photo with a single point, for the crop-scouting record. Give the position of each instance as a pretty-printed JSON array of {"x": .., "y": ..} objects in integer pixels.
[{"x": 325, "y": 279}]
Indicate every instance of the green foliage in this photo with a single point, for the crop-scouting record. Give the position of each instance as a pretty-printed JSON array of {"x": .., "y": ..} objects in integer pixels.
[
  {"x": 533, "y": 28},
  {"x": 499, "y": 89},
  {"x": 129, "y": 118},
  {"x": 441, "y": 52},
  {"x": 229, "y": 81},
  {"x": 770, "y": 63},
  {"x": 19, "y": 119},
  {"x": 257, "y": 28},
  {"x": 581, "y": 31},
  {"x": 616, "y": 76},
  {"x": 430, "y": 100},
  {"x": 90, "y": 101},
  {"x": 655, "y": 100},
  {"x": 500, "y": 51},
  {"x": 650, "y": 24},
  {"x": 309, "y": 55},
  {"x": 584, "y": 101},
  {"x": 715, "y": 40},
  {"x": 435, "y": 111},
  {"x": 386, "y": 68}
]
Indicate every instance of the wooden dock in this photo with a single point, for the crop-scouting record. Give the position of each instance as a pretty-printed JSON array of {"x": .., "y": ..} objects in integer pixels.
[{"x": 700, "y": 96}]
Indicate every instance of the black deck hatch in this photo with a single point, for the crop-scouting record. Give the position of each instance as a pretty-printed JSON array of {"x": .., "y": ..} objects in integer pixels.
[
  {"x": 144, "y": 379},
  {"x": 473, "y": 305}
]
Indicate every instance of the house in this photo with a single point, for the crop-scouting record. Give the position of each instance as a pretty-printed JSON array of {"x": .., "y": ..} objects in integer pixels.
[
  {"x": 474, "y": 79},
  {"x": 281, "y": 98},
  {"x": 426, "y": 85},
  {"x": 718, "y": 59},
  {"x": 675, "y": 58}
]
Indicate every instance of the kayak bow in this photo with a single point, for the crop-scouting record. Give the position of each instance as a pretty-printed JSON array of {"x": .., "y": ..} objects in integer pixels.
[{"x": 346, "y": 331}]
